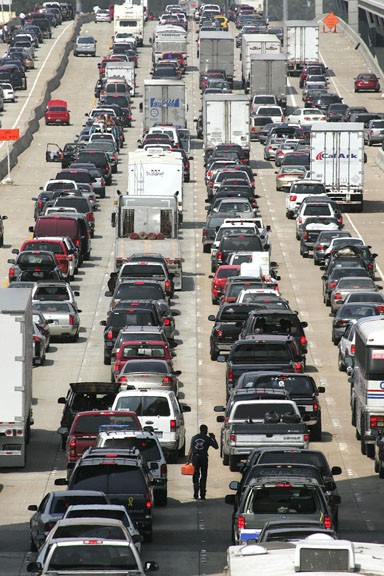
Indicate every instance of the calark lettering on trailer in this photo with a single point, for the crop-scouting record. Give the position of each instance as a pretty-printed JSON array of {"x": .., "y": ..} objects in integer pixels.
[
  {"x": 324, "y": 156},
  {"x": 164, "y": 103}
]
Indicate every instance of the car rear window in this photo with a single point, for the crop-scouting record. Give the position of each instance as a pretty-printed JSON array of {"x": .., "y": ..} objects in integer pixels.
[
  {"x": 147, "y": 446},
  {"x": 61, "y": 503},
  {"x": 75, "y": 176},
  {"x": 257, "y": 411},
  {"x": 27, "y": 260},
  {"x": 56, "y": 248},
  {"x": 301, "y": 188},
  {"x": 144, "y": 405},
  {"x": 143, "y": 350},
  {"x": 131, "y": 318},
  {"x": 133, "y": 291},
  {"x": 90, "y": 424},
  {"x": 234, "y": 313},
  {"x": 109, "y": 478},
  {"x": 254, "y": 352},
  {"x": 227, "y": 272},
  {"x": 287, "y": 500},
  {"x": 98, "y": 513},
  {"x": 81, "y": 204},
  {"x": 88, "y": 531},
  {"x": 144, "y": 366},
  {"x": 52, "y": 308},
  {"x": 142, "y": 269},
  {"x": 277, "y": 324},
  {"x": 317, "y": 210},
  {"x": 358, "y": 310},
  {"x": 239, "y": 243},
  {"x": 293, "y": 384},
  {"x": 37, "y": 275},
  {"x": 51, "y": 293},
  {"x": 97, "y": 158}
]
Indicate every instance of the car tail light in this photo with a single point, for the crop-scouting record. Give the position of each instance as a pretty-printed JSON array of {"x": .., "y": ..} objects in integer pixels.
[
  {"x": 306, "y": 437},
  {"x": 167, "y": 286},
  {"x": 77, "y": 242},
  {"x": 303, "y": 341},
  {"x": 230, "y": 375},
  {"x": 342, "y": 322},
  {"x": 148, "y": 503},
  {"x": 163, "y": 470},
  {"x": 122, "y": 379},
  {"x": 40, "y": 204},
  {"x": 319, "y": 247},
  {"x": 166, "y": 380},
  {"x": 241, "y": 523},
  {"x": 172, "y": 425},
  {"x": 204, "y": 234},
  {"x": 300, "y": 220},
  {"x": 210, "y": 183},
  {"x": 282, "y": 118},
  {"x": 70, "y": 320},
  {"x": 109, "y": 335},
  {"x": 332, "y": 284},
  {"x": 323, "y": 118},
  {"x": 253, "y": 129},
  {"x": 307, "y": 117},
  {"x": 11, "y": 273},
  {"x": 327, "y": 522},
  {"x": 72, "y": 449},
  {"x": 337, "y": 296},
  {"x": 90, "y": 217},
  {"x": 292, "y": 198},
  {"x": 298, "y": 366},
  {"x": 167, "y": 322},
  {"x": 209, "y": 173},
  {"x": 219, "y": 333},
  {"x": 315, "y": 406},
  {"x": 232, "y": 437},
  {"x": 36, "y": 339},
  {"x": 305, "y": 235},
  {"x": 219, "y": 255},
  {"x": 353, "y": 348},
  {"x": 376, "y": 421},
  {"x": 371, "y": 131}
]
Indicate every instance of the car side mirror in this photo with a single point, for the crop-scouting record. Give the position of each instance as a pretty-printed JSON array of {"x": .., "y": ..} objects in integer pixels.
[
  {"x": 32, "y": 508},
  {"x": 304, "y": 324},
  {"x": 336, "y": 470},
  {"x": 212, "y": 318},
  {"x": 219, "y": 409},
  {"x": 185, "y": 408},
  {"x": 220, "y": 419},
  {"x": 103, "y": 322},
  {"x": 151, "y": 566},
  {"x": 62, "y": 430},
  {"x": 221, "y": 358},
  {"x": 321, "y": 389},
  {"x": 35, "y": 567},
  {"x": 61, "y": 400},
  {"x": 61, "y": 482},
  {"x": 234, "y": 485}
]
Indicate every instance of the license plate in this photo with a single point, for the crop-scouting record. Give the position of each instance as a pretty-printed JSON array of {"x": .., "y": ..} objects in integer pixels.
[{"x": 12, "y": 447}]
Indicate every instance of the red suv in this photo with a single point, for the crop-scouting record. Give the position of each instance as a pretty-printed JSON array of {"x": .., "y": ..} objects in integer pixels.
[{"x": 57, "y": 246}]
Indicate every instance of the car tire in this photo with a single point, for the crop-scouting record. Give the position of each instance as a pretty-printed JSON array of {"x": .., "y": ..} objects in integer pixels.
[
  {"x": 340, "y": 363},
  {"x": 315, "y": 431},
  {"x": 32, "y": 546},
  {"x": 107, "y": 360},
  {"x": 173, "y": 457},
  {"x": 214, "y": 354},
  {"x": 370, "y": 450},
  {"x": 233, "y": 463},
  {"x": 148, "y": 535},
  {"x": 380, "y": 469},
  {"x": 161, "y": 498},
  {"x": 225, "y": 459},
  {"x": 181, "y": 451},
  {"x": 206, "y": 249}
]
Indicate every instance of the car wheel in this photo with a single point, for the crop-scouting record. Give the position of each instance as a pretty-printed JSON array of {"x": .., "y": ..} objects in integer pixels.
[
  {"x": 1, "y": 241},
  {"x": 376, "y": 466},
  {"x": 107, "y": 360},
  {"x": 225, "y": 459},
  {"x": 315, "y": 431},
  {"x": 42, "y": 360},
  {"x": 206, "y": 249},
  {"x": 353, "y": 416},
  {"x": 172, "y": 457},
  {"x": 370, "y": 450},
  {"x": 340, "y": 363},
  {"x": 32, "y": 546},
  {"x": 214, "y": 354},
  {"x": 369, "y": 142},
  {"x": 161, "y": 498},
  {"x": 380, "y": 469},
  {"x": 233, "y": 463},
  {"x": 181, "y": 452},
  {"x": 148, "y": 535}
]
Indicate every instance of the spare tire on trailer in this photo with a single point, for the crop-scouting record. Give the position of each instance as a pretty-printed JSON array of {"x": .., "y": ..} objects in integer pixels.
[
  {"x": 151, "y": 236},
  {"x": 143, "y": 235},
  {"x": 134, "y": 236}
]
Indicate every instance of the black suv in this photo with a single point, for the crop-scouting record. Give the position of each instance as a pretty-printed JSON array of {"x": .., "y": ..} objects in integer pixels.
[
  {"x": 135, "y": 290},
  {"x": 282, "y": 322},
  {"x": 124, "y": 479},
  {"x": 228, "y": 324},
  {"x": 83, "y": 397}
]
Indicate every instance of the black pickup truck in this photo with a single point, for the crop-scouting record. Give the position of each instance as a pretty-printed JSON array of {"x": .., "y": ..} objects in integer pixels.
[{"x": 261, "y": 352}]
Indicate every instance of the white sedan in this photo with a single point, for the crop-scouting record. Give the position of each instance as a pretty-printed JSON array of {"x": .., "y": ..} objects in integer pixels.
[
  {"x": 306, "y": 116},
  {"x": 103, "y": 16}
]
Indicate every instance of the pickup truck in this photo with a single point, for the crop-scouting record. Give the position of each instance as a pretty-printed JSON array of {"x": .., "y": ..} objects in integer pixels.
[
  {"x": 251, "y": 423},
  {"x": 261, "y": 352}
]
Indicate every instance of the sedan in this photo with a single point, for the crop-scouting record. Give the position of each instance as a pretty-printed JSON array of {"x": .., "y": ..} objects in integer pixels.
[
  {"x": 148, "y": 374},
  {"x": 62, "y": 317},
  {"x": 53, "y": 507},
  {"x": 347, "y": 314},
  {"x": 374, "y": 132},
  {"x": 287, "y": 175},
  {"x": 283, "y": 149},
  {"x": 103, "y": 16},
  {"x": 367, "y": 82},
  {"x": 346, "y": 286},
  {"x": 306, "y": 116}
]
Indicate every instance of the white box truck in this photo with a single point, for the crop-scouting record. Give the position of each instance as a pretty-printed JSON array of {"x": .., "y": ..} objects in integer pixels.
[
  {"x": 301, "y": 39},
  {"x": 16, "y": 376},
  {"x": 256, "y": 44},
  {"x": 269, "y": 76},
  {"x": 168, "y": 38},
  {"x": 130, "y": 18},
  {"x": 148, "y": 225},
  {"x": 164, "y": 102},
  {"x": 225, "y": 120},
  {"x": 337, "y": 160},
  {"x": 156, "y": 172},
  {"x": 217, "y": 50},
  {"x": 124, "y": 70}
]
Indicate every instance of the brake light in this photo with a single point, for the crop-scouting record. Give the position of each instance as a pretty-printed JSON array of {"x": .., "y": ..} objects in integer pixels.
[
  {"x": 306, "y": 437},
  {"x": 305, "y": 235},
  {"x": 293, "y": 198},
  {"x": 303, "y": 341},
  {"x": 109, "y": 335},
  {"x": 36, "y": 339},
  {"x": 298, "y": 367},
  {"x": 232, "y": 437},
  {"x": 40, "y": 204},
  {"x": 148, "y": 504},
  {"x": 163, "y": 470},
  {"x": 172, "y": 425},
  {"x": 166, "y": 380},
  {"x": 167, "y": 286},
  {"x": 90, "y": 217},
  {"x": 327, "y": 522},
  {"x": 122, "y": 379},
  {"x": 338, "y": 296},
  {"x": 70, "y": 320},
  {"x": 241, "y": 523},
  {"x": 332, "y": 284},
  {"x": 77, "y": 242},
  {"x": 371, "y": 131},
  {"x": 253, "y": 129},
  {"x": 380, "y": 309},
  {"x": 167, "y": 322},
  {"x": 219, "y": 255},
  {"x": 376, "y": 421},
  {"x": 72, "y": 449},
  {"x": 219, "y": 333},
  {"x": 315, "y": 406},
  {"x": 204, "y": 233},
  {"x": 11, "y": 273},
  {"x": 230, "y": 375}
]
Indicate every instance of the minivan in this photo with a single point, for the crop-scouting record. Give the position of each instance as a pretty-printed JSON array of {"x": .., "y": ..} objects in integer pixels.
[{"x": 58, "y": 225}]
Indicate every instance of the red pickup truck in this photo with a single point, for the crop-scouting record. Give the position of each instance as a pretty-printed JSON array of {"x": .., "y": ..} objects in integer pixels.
[{"x": 85, "y": 429}]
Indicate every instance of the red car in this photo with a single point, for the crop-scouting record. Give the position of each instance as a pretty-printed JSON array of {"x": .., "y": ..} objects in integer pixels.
[
  {"x": 137, "y": 350},
  {"x": 367, "y": 82},
  {"x": 220, "y": 278},
  {"x": 55, "y": 245},
  {"x": 179, "y": 56},
  {"x": 57, "y": 112}
]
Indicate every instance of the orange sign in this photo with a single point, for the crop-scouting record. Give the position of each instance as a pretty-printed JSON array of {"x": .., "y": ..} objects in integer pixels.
[
  {"x": 9, "y": 134},
  {"x": 331, "y": 20}
]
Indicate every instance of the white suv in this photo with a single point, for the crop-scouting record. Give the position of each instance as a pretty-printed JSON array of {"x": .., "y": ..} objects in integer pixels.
[
  {"x": 300, "y": 190},
  {"x": 162, "y": 411}
]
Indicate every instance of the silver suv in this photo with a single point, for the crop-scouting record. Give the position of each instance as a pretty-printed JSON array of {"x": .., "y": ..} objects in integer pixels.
[{"x": 85, "y": 45}]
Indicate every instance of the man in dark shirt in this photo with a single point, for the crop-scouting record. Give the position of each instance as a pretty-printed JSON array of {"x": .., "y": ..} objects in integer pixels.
[{"x": 198, "y": 456}]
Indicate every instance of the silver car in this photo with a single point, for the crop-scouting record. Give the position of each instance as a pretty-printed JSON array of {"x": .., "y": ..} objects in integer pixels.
[
  {"x": 54, "y": 292},
  {"x": 374, "y": 132},
  {"x": 62, "y": 317},
  {"x": 346, "y": 286},
  {"x": 85, "y": 45}
]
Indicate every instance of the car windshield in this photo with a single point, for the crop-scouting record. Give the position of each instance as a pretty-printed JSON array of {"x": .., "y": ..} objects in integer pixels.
[{"x": 61, "y": 503}]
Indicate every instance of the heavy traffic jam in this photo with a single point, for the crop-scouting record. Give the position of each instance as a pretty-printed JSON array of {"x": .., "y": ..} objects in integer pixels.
[{"x": 139, "y": 168}]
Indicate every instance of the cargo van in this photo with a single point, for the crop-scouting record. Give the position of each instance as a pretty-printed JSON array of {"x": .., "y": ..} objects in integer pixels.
[{"x": 58, "y": 225}]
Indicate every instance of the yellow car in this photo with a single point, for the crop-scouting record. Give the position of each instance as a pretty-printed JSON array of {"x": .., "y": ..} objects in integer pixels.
[{"x": 223, "y": 21}]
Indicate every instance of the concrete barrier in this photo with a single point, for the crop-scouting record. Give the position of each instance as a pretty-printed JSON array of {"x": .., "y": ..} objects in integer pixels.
[{"x": 26, "y": 138}]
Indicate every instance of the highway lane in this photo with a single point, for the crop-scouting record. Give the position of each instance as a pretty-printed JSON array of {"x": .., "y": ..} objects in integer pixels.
[{"x": 188, "y": 536}]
